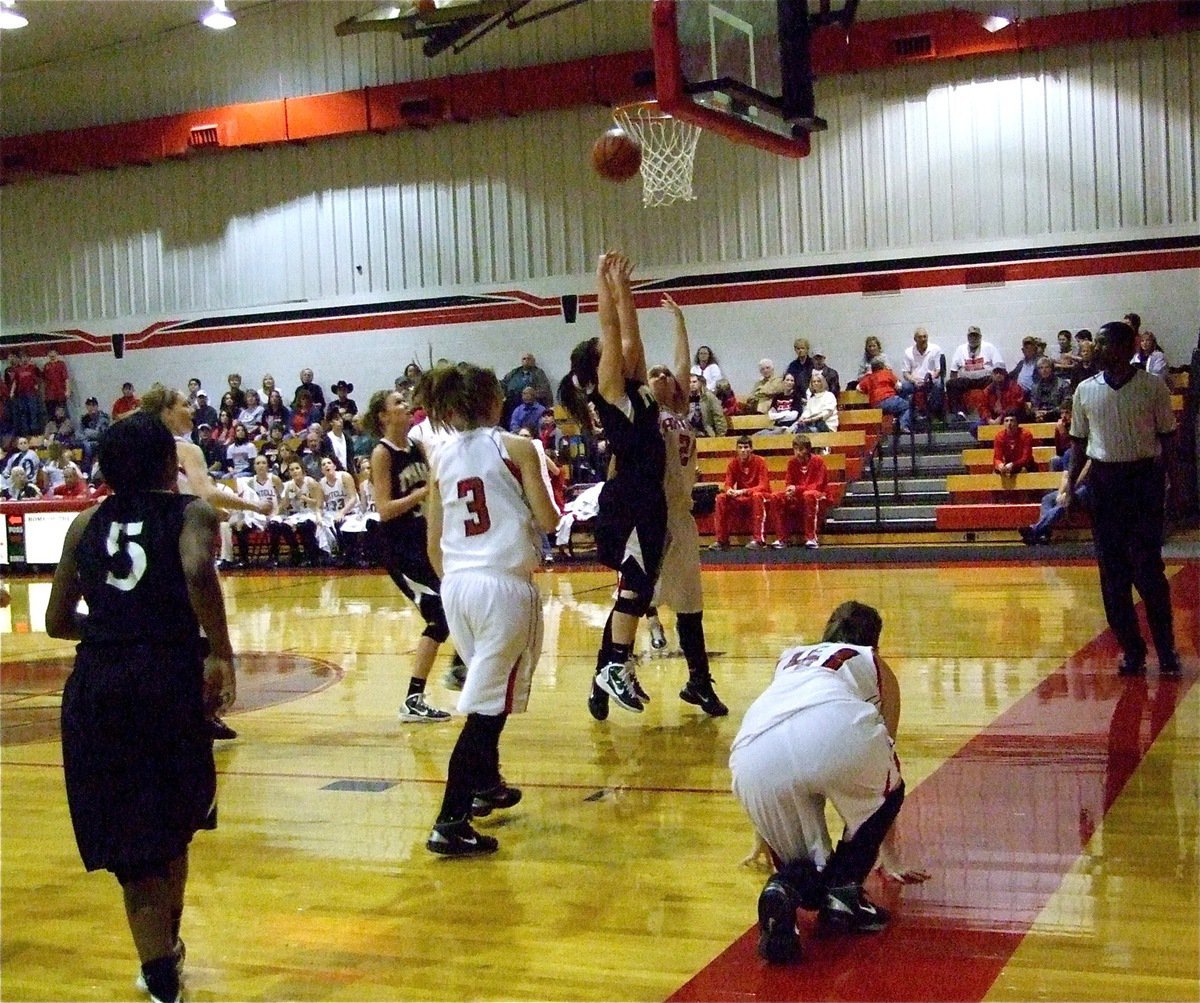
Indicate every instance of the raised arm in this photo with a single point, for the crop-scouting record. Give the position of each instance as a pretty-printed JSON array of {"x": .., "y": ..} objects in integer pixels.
[
  {"x": 633, "y": 352},
  {"x": 610, "y": 373},
  {"x": 191, "y": 460},
  {"x": 683, "y": 354}
]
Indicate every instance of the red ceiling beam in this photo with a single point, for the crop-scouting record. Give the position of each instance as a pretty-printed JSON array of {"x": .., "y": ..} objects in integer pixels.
[{"x": 605, "y": 80}]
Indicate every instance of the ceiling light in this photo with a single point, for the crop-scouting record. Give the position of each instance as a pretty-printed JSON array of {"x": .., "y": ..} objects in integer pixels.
[
  {"x": 218, "y": 17},
  {"x": 10, "y": 17},
  {"x": 995, "y": 22}
]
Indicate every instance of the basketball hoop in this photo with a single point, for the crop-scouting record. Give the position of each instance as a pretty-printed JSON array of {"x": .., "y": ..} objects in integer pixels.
[{"x": 668, "y": 151}]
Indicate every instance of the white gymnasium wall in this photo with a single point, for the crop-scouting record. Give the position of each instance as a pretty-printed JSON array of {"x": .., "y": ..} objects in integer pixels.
[
  {"x": 1070, "y": 145},
  {"x": 740, "y": 334}
]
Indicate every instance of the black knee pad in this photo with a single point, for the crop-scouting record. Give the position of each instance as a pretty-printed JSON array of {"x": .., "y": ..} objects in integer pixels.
[
  {"x": 635, "y": 590},
  {"x": 436, "y": 627}
]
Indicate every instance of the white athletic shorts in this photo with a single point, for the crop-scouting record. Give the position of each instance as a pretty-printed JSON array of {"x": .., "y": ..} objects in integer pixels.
[
  {"x": 836, "y": 751},
  {"x": 679, "y": 580},
  {"x": 496, "y": 626}
]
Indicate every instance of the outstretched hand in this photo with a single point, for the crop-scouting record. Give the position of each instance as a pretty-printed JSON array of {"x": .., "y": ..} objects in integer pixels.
[{"x": 669, "y": 304}]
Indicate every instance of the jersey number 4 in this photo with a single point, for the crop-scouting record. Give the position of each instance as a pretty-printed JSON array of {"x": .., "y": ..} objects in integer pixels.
[
  {"x": 122, "y": 533},
  {"x": 480, "y": 522},
  {"x": 833, "y": 661}
]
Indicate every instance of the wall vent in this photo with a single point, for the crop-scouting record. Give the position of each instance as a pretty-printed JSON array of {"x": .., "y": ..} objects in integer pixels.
[
  {"x": 913, "y": 46},
  {"x": 203, "y": 136}
]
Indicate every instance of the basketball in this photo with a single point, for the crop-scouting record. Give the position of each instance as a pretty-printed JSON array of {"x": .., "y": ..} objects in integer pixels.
[{"x": 616, "y": 155}]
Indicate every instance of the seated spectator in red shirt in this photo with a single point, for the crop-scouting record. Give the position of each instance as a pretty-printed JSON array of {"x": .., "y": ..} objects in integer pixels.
[
  {"x": 74, "y": 485},
  {"x": 728, "y": 399},
  {"x": 806, "y": 488},
  {"x": 1002, "y": 395},
  {"x": 1013, "y": 449},
  {"x": 881, "y": 386},
  {"x": 747, "y": 487},
  {"x": 128, "y": 401}
]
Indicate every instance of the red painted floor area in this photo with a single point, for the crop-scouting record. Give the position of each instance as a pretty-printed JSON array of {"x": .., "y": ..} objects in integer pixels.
[{"x": 998, "y": 825}]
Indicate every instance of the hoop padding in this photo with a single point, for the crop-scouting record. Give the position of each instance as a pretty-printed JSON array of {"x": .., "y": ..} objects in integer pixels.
[{"x": 668, "y": 151}]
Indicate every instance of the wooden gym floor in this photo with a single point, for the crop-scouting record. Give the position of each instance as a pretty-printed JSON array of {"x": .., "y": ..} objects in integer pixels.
[{"x": 1055, "y": 805}]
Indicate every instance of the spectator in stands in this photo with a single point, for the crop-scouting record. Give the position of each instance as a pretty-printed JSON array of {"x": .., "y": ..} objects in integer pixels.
[
  {"x": 881, "y": 386},
  {"x": 783, "y": 411},
  {"x": 704, "y": 410},
  {"x": 407, "y": 383},
  {"x": 239, "y": 454},
  {"x": 193, "y": 389},
  {"x": 1066, "y": 358},
  {"x": 551, "y": 437},
  {"x": 315, "y": 393},
  {"x": 528, "y": 413},
  {"x": 805, "y": 490},
  {"x": 1149, "y": 356},
  {"x": 313, "y": 451},
  {"x": 1048, "y": 393},
  {"x": 25, "y": 390},
  {"x": 212, "y": 451},
  {"x": 971, "y": 369},
  {"x": 1086, "y": 366},
  {"x": 251, "y": 415},
  {"x": 203, "y": 413},
  {"x": 271, "y": 446},
  {"x": 361, "y": 439},
  {"x": 758, "y": 400},
  {"x": 1025, "y": 371},
  {"x": 527, "y": 374},
  {"x": 91, "y": 426},
  {"x": 820, "y": 412},
  {"x": 1054, "y": 506},
  {"x": 800, "y": 369},
  {"x": 1082, "y": 335},
  {"x": 56, "y": 382},
  {"x": 340, "y": 442},
  {"x": 53, "y": 465},
  {"x": 25, "y": 457},
  {"x": 268, "y": 388},
  {"x": 235, "y": 388},
  {"x": 832, "y": 379},
  {"x": 20, "y": 487},
  {"x": 128, "y": 401},
  {"x": 1062, "y": 437},
  {"x": 924, "y": 367},
  {"x": 1134, "y": 320},
  {"x": 60, "y": 428},
  {"x": 222, "y": 432},
  {"x": 872, "y": 349},
  {"x": 746, "y": 490},
  {"x": 305, "y": 412},
  {"x": 1013, "y": 448},
  {"x": 229, "y": 403},
  {"x": 1002, "y": 395},
  {"x": 706, "y": 367},
  {"x": 729, "y": 402},
  {"x": 74, "y": 484},
  {"x": 275, "y": 412},
  {"x": 342, "y": 402}
]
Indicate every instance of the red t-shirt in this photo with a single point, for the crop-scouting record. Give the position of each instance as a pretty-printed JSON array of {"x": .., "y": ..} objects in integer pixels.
[
  {"x": 124, "y": 404},
  {"x": 878, "y": 385},
  {"x": 25, "y": 378},
  {"x": 55, "y": 376}
]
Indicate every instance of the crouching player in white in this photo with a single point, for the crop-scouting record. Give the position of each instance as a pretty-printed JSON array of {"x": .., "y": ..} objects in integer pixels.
[
  {"x": 487, "y": 510},
  {"x": 824, "y": 729}
]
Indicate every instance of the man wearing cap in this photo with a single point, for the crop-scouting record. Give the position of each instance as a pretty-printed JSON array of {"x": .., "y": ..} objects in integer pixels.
[
  {"x": 1002, "y": 395},
  {"x": 971, "y": 368},
  {"x": 341, "y": 404},
  {"x": 1025, "y": 371},
  {"x": 212, "y": 450},
  {"x": 91, "y": 426},
  {"x": 204, "y": 412},
  {"x": 832, "y": 380}
]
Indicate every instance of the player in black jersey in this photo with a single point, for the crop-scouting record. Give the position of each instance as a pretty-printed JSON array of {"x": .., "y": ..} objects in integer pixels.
[
  {"x": 631, "y": 525},
  {"x": 399, "y": 477},
  {"x": 137, "y": 751}
]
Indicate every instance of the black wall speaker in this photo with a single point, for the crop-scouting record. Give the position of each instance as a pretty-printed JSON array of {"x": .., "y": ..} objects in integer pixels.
[
  {"x": 570, "y": 307},
  {"x": 118, "y": 346}
]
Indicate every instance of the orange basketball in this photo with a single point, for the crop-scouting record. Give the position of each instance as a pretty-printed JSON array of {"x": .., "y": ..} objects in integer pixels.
[{"x": 616, "y": 155}]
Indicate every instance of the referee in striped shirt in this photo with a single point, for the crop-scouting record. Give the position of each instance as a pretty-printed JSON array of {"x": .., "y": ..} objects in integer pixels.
[{"x": 1120, "y": 421}]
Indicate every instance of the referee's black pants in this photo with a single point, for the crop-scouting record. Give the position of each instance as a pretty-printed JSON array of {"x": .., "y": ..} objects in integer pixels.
[{"x": 1127, "y": 525}]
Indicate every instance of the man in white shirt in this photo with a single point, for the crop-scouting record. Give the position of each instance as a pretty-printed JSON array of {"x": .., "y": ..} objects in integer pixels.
[
  {"x": 1120, "y": 418},
  {"x": 924, "y": 368},
  {"x": 1026, "y": 368},
  {"x": 971, "y": 368}
]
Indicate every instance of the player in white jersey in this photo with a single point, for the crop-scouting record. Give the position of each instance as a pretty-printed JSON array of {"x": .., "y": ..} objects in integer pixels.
[
  {"x": 679, "y": 580},
  {"x": 486, "y": 508},
  {"x": 264, "y": 486},
  {"x": 339, "y": 497},
  {"x": 824, "y": 729}
]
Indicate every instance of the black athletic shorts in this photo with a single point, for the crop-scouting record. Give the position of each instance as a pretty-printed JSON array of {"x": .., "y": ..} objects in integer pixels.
[
  {"x": 137, "y": 754},
  {"x": 631, "y": 515}
]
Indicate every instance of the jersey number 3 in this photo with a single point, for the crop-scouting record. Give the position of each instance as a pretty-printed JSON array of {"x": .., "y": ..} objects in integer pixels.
[
  {"x": 480, "y": 522},
  {"x": 123, "y": 532}
]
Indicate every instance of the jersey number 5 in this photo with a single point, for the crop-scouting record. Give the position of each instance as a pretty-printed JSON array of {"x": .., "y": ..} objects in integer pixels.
[
  {"x": 123, "y": 532},
  {"x": 471, "y": 488}
]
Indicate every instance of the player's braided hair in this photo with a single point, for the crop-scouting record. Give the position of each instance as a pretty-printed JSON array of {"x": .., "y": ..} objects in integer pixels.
[
  {"x": 854, "y": 623},
  {"x": 462, "y": 396}
]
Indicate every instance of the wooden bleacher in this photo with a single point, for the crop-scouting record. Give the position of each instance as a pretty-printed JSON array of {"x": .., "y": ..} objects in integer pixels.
[
  {"x": 979, "y": 461},
  {"x": 712, "y": 468},
  {"x": 1042, "y": 431}
]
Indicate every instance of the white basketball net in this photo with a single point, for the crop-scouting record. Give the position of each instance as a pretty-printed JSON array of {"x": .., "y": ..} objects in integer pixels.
[{"x": 668, "y": 151}]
